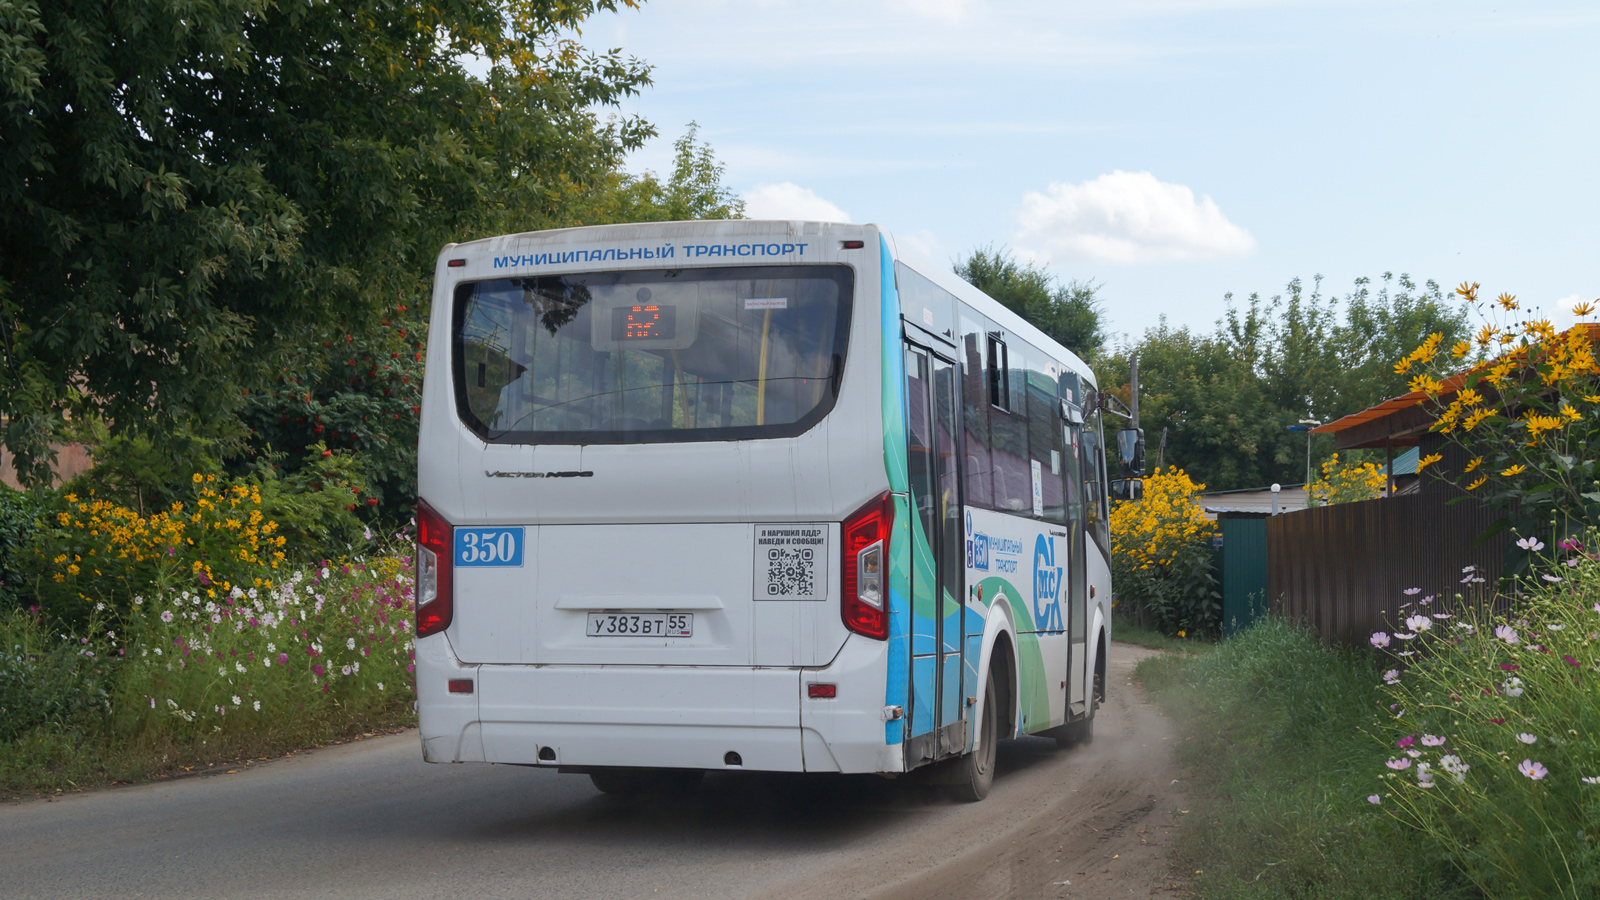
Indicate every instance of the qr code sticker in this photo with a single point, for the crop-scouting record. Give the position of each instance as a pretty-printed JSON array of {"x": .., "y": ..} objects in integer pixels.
[
  {"x": 791, "y": 562},
  {"x": 791, "y": 572}
]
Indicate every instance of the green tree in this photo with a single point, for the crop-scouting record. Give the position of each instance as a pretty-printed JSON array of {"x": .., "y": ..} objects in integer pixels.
[
  {"x": 1226, "y": 399},
  {"x": 694, "y": 190},
  {"x": 184, "y": 188},
  {"x": 1069, "y": 313}
]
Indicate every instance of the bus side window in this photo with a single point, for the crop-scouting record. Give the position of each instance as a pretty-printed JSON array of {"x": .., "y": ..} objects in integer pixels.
[
  {"x": 999, "y": 373},
  {"x": 975, "y": 412},
  {"x": 1008, "y": 430},
  {"x": 1094, "y": 490},
  {"x": 1044, "y": 432}
]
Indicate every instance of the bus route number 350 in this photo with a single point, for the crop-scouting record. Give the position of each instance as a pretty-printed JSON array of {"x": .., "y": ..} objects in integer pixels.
[{"x": 489, "y": 547}]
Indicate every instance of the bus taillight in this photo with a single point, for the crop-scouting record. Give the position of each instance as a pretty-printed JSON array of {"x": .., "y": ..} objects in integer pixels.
[
  {"x": 866, "y": 553},
  {"x": 433, "y": 589}
]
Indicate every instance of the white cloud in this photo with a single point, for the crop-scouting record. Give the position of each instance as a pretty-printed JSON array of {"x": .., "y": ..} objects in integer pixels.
[
  {"x": 787, "y": 200},
  {"x": 924, "y": 243},
  {"x": 1126, "y": 217}
]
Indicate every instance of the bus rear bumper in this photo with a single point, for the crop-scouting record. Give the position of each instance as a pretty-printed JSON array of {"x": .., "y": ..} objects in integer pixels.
[{"x": 686, "y": 717}]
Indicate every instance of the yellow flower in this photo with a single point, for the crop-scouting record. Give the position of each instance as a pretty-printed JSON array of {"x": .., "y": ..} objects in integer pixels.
[
  {"x": 1476, "y": 462},
  {"x": 1427, "y": 461},
  {"x": 1507, "y": 302},
  {"x": 1538, "y": 424},
  {"x": 1486, "y": 334},
  {"x": 1584, "y": 308},
  {"x": 1468, "y": 291},
  {"x": 1460, "y": 349},
  {"x": 1422, "y": 384},
  {"x": 198, "y": 478},
  {"x": 1568, "y": 413},
  {"x": 73, "y": 569},
  {"x": 1403, "y": 366},
  {"x": 1517, "y": 469},
  {"x": 1477, "y": 484}
]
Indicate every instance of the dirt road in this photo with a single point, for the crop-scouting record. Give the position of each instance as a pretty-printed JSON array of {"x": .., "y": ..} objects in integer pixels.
[{"x": 371, "y": 820}]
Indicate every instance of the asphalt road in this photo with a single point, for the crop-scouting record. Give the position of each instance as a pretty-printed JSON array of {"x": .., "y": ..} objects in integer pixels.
[{"x": 370, "y": 819}]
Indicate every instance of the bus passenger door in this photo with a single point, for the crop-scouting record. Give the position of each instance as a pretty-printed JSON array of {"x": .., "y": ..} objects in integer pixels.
[
  {"x": 938, "y": 716},
  {"x": 1077, "y": 579}
]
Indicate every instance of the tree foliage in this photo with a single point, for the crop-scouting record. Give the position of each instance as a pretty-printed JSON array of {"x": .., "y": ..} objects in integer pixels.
[
  {"x": 184, "y": 187},
  {"x": 1068, "y": 313},
  {"x": 694, "y": 190},
  {"x": 1226, "y": 398}
]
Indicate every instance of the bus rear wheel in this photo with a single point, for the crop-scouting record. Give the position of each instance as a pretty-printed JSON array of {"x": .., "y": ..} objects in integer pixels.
[{"x": 975, "y": 771}]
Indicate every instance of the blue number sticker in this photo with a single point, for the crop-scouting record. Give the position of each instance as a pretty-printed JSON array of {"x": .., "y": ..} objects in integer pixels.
[{"x": 489, "y": 547}]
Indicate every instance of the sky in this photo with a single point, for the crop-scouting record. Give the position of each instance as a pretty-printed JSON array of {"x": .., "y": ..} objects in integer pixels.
[{"x": 1170, "y": 152}]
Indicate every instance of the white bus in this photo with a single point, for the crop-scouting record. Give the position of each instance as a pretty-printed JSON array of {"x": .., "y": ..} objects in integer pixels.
[{"x": 749, "y": 495}]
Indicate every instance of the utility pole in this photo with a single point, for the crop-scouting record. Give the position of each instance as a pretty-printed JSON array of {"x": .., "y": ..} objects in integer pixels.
[{"x": 1133, "y": 390}]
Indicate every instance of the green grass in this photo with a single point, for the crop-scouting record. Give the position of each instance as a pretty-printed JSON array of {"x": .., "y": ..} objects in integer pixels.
[{"x": 1275, "y": 731}]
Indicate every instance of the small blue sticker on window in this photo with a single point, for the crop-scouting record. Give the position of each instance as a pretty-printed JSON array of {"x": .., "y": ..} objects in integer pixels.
[{"x": 489, "y": 547}]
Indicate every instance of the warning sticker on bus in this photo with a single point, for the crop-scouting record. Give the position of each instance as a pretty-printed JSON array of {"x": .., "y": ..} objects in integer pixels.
[{"x": 791, "y": 562}]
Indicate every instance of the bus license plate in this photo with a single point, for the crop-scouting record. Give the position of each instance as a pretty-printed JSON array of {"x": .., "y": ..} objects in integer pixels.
[{"x": 641, "y": 624}]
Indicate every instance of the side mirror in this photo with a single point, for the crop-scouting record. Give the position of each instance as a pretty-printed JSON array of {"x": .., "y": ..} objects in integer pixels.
[
  {"x": 1130, "y": 446},
  {"x": 1127, "y": 489}
]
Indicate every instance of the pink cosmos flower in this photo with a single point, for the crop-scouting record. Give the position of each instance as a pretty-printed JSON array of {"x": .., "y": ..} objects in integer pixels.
[
  {"x": 1412, "y": 592},
  {"x": 1399, "y": 764},
  {"x": 1572, "y": 661},
  {"x": 1553, "y": 579},
  {"x": 1527, "y": 738},
  {"x": 1510, "y": 667},
  {"x": 1405, "y": 742},
  {"x": 1508, "y": 634},
  {"x": 283, "y": 659},
  {"x": 1432, "y": 740},
  {"x": 1532, "y": 769},
  {"x": 1390, "y": 677},
  {"x": 1380, "y": 639},
  {"x": 1419, "y": 623},
  {"x": 1374, "y": 799}
]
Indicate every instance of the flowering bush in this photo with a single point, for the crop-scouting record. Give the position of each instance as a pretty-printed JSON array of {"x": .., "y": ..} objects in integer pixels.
[
  {"x": 1494, "y": 734},
  {"x": 1348, "y": 483},
  {"x": 1161, "y": 556},
  {"x": 93, "y": 554},
  {"x": 337, "y": 635},
  {"x": 1527, "y": 417}
]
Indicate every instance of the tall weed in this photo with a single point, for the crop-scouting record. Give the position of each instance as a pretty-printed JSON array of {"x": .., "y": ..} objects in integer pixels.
[
  {"x": 1493, "y": 744},
  {"x": 1276, "y": 731}
]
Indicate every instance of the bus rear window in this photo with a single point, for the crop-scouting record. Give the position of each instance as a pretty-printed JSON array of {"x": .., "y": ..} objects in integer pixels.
[{"x": 650, "y": 356}]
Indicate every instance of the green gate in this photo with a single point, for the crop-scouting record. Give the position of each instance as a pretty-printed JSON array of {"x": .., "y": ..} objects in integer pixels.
[{"x": 1244, "y": 570}]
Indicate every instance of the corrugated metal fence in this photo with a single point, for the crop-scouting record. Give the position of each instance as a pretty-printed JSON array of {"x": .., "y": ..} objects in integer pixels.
[{"x": 1342, "y": 568}]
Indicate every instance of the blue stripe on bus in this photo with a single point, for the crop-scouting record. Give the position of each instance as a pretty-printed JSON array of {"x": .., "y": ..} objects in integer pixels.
[{"x": 894, "y": 459}]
